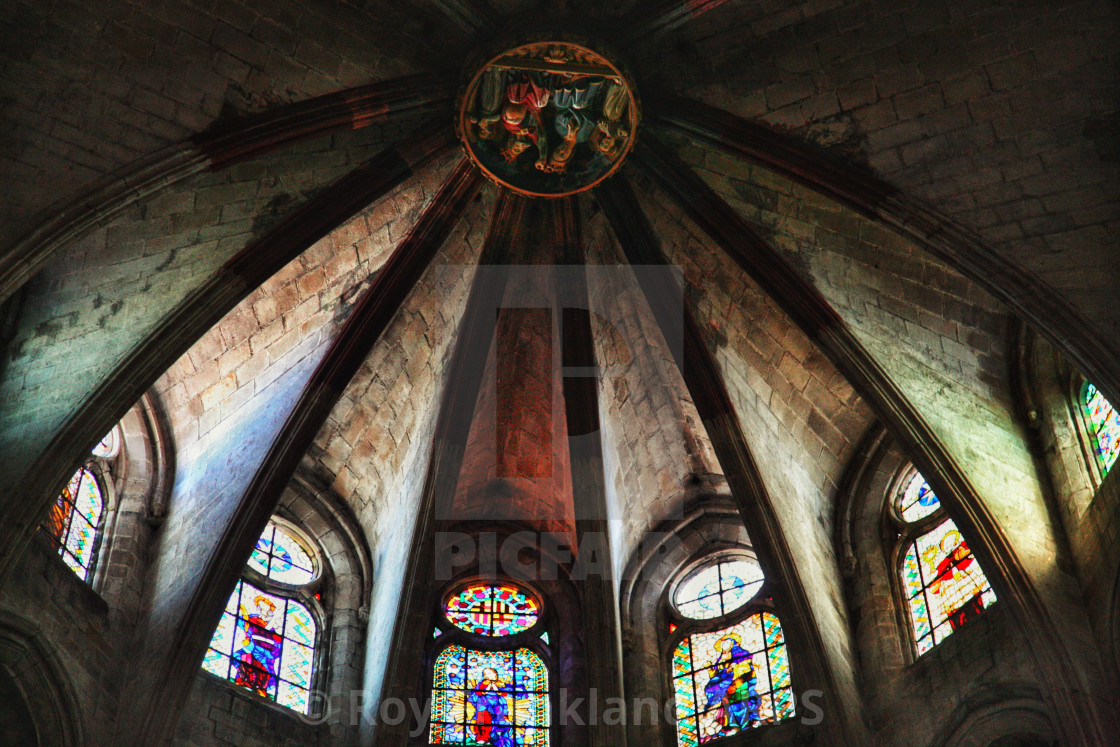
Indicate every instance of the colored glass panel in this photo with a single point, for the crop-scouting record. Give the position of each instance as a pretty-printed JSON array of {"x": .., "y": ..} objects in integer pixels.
[
  {"x": 490, "y": 697},
  {"x": 492, "y": 610},
  {"x": 945, "y": 585},
  {"x": 109, "y": 446},
  {"x": 280, "y": 556},
  {"x": 265, "y": 643},
  {"x": 730, "y": 680},
  {"x": 718, "y": 589},
  {"x": 917, "y": 500},
  {"x": 74, "y": 520},
  {"x": 1104, "y": 422}
]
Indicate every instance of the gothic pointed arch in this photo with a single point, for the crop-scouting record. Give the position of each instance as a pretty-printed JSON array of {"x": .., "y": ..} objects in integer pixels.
[
  {"x": 702, "y": 636},
  {"x": 998, "y": 715},
  {"x": 942, "y": 585},
  {"x": 97, "y": 521},
  {"x": 923, "y": 610},
  {"x": 492, "y": 666},
  {"x": 289, "y": 642},
  {"x": 34, "y": 671}
]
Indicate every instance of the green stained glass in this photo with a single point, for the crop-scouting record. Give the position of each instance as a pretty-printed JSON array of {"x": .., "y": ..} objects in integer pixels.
[
  {"x": 686, "y": 732},
  {"x": 1104, "y": 424},
  {"x": 725, "y": 681},
  {"x": 489, "y": 697}
]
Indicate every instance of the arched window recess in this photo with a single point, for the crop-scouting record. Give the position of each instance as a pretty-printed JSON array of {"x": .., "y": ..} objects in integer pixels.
[
  {"x": 940, "y": 583},
  {"x": 268, "y": 642},
  {"x": 491, "y": 665},
  {"x": 728, "y": 660}
]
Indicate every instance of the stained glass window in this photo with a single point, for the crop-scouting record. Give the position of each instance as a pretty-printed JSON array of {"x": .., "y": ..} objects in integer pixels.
[
  {"x": 490, "y": 697},
  {"x": 74, "y": 520},
  {"x": 265, "y": 641},
  {"x": 281, "y": 557},
  {"x": 1104, "y": 423},
  {"x": 730, "y": 680},
  {"x": 266, "y": 644},
  {"x": 943, "y": 584},
  {"x": 492, "y": 610},
  {"x": 916, "y": 500},
  {"x": 718, "y": 589}
]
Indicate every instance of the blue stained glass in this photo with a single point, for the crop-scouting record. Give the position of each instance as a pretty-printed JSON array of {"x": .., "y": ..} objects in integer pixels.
[
  {"x": 489, "y": 697},
  {"x": 725, "y": 680},
  {"x": 281, "y": 557},
  {"x": 917, "y": 500}
]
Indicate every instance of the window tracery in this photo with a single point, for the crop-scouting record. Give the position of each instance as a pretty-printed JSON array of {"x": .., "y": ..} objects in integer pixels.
[
  {"x": 73, "y": 525},
  {"x": 266, "y": 639},
  {"x": 942, "y": 583},
  {"x": 730, "y": 665},
  {"x": 490, "y": 678}
]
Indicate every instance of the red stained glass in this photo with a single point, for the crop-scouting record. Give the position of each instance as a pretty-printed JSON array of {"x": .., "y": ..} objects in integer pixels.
[
  {"x": 74, "y": 522},
  {"x": 492, "y": 610}
]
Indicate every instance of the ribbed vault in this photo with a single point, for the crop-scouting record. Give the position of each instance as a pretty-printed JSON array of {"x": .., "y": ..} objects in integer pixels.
[{"x": 284, "y": 245}]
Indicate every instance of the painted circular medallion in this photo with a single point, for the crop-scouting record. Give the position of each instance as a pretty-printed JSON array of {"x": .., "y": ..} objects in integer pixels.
[{"x": 548, "y": 119}]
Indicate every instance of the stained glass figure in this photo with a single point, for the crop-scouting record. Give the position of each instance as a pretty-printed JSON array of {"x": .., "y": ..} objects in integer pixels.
[
  {"x": 74, "y": 521},
  {"x": 944, "y": 585},
  {"x": 1104, "y": 423},
  {"x": 109, "y": 446},
  {"x": 916, "y": 500},
  {"x": 718, "y": 589},
  {"x": 281, "y": 557},
  {"x": 730, "y": 680},
  {"x": 490, "y": 697},
  {"x": 492, "y": 610},
  {"x": 266, "y": 644}
]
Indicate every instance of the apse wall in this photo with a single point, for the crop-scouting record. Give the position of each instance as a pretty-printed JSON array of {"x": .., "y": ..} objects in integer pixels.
[
  {"x": 375, "y": 446},
  {"x": 67, "y": 639},
  {"x": 942, "y": 340},
  {"x": 977, "y": 667},
  {"x": 233, "y": 391},
  {"x": 657, "y": 453},
  {"x": 108, "y": 295}
]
